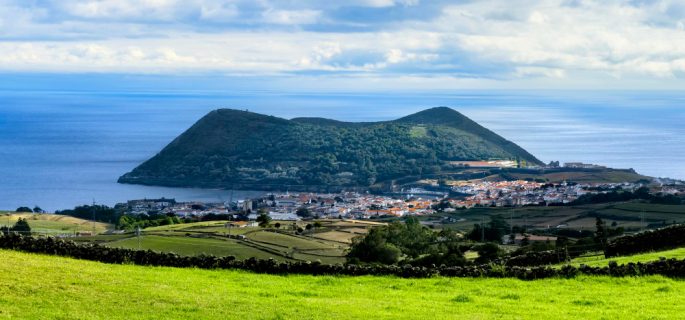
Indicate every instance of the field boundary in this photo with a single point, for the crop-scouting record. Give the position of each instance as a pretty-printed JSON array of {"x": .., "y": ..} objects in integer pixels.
[{"x": 666, "y": 267}]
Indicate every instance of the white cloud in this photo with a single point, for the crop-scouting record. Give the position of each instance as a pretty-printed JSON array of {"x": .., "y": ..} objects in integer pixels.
[
  {"x": 291, "y": 17},
  {"x": 515, "y": 40},
  {"x": 117, "y": 9}
]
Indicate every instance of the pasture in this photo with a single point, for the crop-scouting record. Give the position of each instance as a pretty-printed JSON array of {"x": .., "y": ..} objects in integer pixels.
[
  {"x": 48, "y": 287},
  {"x": 53, "y": 224},
  {"x": 600, "y": 261},
  {"x": 326, "y": 243},
  {"x": 632, "y": 216}
]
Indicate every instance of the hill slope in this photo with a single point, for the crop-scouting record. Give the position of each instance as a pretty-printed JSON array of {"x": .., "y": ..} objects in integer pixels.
[
  {"x": 239, "y": 149},
  {"x": 46, "y": 287}
]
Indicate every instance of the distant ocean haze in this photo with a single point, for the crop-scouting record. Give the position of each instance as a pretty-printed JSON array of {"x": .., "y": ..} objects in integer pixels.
[{"x": 60, "y": 149}]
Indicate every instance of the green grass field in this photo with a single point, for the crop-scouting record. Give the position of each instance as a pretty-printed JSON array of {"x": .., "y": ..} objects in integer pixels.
[
  {"x": 193, "y": 246},
  {"x": 600, "y": 261},
  {"x": 54, "y": 224},
  {"x": 210, "y": 238},
  {"x": 47, "y": 287}
]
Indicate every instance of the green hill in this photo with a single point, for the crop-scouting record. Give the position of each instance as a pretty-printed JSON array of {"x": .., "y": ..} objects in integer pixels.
[
  {"x": 47, "y": 287},
  {"x": 239, "y": 149}
]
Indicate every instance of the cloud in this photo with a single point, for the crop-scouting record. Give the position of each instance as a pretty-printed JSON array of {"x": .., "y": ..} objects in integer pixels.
[
  {"x": 291, "y": 17},
  {"x": 515, "y": 41}
]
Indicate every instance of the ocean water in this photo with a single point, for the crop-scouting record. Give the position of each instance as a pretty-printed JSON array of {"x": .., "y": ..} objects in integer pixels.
[{"x": 59, "y": 149}]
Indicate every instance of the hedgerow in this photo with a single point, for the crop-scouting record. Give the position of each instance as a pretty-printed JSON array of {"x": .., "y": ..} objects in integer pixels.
[
  {"x": 653, "y": 240},
  {"x": 95, "y": 252}
]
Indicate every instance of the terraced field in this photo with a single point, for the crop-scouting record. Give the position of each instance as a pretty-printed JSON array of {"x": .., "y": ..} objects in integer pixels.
[
  {"x": 189, "y": 246},
  {"x": 326, "y": 243}
]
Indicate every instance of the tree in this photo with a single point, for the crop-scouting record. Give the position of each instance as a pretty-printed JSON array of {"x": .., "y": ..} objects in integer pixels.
[
  {"x": 373, "y": 248},
  {"x": 277, "y": 225},
  {"x": 23, "y": 209},
  {"x": 601, "y": 233},
  {"x": 38, "y": 209},
  {"x": 303, "y": 212},
  {"x": 263, "y": 220},
  {"x": 22, "y": 226},
  {"x": 494, "y": 230},
  {"x": 317, "y": 224},
  {"x": 488, "y": 252}
]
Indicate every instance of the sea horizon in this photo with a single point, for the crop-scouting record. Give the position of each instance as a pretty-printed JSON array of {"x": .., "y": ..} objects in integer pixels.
[{"x": 63, "y": 148}]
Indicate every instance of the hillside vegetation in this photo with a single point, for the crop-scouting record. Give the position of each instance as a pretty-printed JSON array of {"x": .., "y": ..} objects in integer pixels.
[
  {"x": 46, "y": 287},
  {"x": 239, "y": 149},
  {"x": 53, "y": 224}
]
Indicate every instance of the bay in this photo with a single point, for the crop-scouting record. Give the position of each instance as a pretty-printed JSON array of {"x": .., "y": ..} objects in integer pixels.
[{"x": 59, "y": 149}]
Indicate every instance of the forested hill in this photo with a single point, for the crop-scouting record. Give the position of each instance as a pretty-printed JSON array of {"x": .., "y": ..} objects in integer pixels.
[{"x": 239, "y": 149}]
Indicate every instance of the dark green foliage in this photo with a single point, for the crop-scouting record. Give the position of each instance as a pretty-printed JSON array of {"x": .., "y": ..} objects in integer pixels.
[
  {"x": 238, "y": 149},
  {"x": 419, "y": 245},
  {"x": 303, "y": 212},
  {"x": 601, "y": 235},
  {"x": 494, "y": 230},
  {"x": 23, "y": 209},
  {"x": 654, "y": 240},
  {"x": 488, "y": 252},
  {"x": 38, "y": 209},
  {"x": 21, "y": 226},
  {"x": 374, "y": 248},
  {"x": 263, "y": 220},
  {"x": 101, "y": 213}
]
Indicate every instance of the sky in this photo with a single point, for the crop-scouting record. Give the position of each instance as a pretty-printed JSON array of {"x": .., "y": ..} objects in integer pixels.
[{"x": 350, "y": 45}]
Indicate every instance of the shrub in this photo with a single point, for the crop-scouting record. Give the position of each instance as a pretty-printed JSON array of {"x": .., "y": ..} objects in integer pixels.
[{"x": 660, "y": 239}]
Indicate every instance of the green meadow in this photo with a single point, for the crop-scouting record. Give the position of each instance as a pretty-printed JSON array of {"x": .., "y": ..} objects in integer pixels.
[
  {"x": 46, "y": 287},
  {"x": 600, "y": 261},
  {"x": 54, "y": 224}
]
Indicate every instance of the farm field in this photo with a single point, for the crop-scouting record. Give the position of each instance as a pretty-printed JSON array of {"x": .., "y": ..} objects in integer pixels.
[
  {"x": 53, "y": 224},
  {"x": 188, "y": 246},
  {"x": 56, "y": 287},
  {"x": 212, "y": 238},
  {"x": 628, "y": 215}
]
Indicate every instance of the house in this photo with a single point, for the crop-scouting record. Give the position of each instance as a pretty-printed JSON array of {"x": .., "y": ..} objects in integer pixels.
[{"x": 242, "y": 224}]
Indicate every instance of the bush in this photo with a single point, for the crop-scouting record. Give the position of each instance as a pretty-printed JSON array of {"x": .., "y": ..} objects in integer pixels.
[{"x": 653, "y": 240}]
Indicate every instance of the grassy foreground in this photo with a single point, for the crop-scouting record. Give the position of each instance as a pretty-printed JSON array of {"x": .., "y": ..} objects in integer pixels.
[{"x": 46, "y": 287}]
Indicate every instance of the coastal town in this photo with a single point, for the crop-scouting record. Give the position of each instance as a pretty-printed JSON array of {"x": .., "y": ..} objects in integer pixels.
[{"x": 414, "y": 201}]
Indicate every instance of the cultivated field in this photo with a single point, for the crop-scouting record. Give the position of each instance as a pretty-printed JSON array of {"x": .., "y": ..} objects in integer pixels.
[
  {"x": 54, "y": 224},
  {"x": 47, "y": 287},
  {"x": 630, "y": 215},
  {"x": 326, "y": 243}
]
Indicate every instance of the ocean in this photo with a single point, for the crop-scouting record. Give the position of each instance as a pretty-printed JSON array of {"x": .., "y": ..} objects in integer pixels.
[{"x": 59, "y": 149}]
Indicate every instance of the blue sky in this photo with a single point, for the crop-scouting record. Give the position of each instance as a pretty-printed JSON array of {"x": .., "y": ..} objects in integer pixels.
[{"x": 345, "y": 45}]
